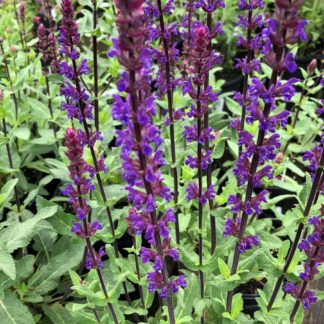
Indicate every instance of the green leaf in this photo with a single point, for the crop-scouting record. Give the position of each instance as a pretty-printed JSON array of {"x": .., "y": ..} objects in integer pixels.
[
  {"x": 46, "y": 278},
  {"x": 75, "y": 278},
  {"x": 295, "y": 260},
  {"x": 304, "y": 194},
  {"x": 58, "y": 314},
  {"x": 7, "y": 263},
  {"x": 237, "y": 305},
  {"x": 19, "y": 234},
  {"x": 186, "y": 298},
  {"x": 22, "y": 133},
  {"x": 283, "y": 251},
  {"x": 223, "y": 268},
  {"x": 6, "y": 191},
  {"x": 13, "y": 311}
]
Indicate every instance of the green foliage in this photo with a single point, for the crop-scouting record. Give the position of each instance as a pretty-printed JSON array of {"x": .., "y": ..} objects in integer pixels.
[{"x": 42, "y": 274}]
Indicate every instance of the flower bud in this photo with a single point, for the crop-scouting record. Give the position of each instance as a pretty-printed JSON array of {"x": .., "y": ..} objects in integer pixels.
[
  {"x": 311, "y": 67},
  {"x": 37, "y": 20},
  {"x": 279, "y": 157}
]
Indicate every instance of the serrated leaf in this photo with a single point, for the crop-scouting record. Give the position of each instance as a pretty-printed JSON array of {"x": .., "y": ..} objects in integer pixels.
[
  {"x": 223, "y": 268},
  {"x": 283, "y": 251},
  {"x": 304, "y": 194},
  {"x": 13, "y": 311},
  {"x": 22, "y": 133},
  {"x": 58, "y": 314},
  {"x": 237, "y": 305},
  {"x": 7, "y": 263},
  {"x": 19, "y": 234},
  {"x": 6, "y": 191},
  {"x": 46, "y": 278},
  {"x": 186, "y": 298}
]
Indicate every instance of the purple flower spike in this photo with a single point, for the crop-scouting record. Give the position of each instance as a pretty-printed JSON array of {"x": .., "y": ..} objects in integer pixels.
[{"x": 140, "y": 139}]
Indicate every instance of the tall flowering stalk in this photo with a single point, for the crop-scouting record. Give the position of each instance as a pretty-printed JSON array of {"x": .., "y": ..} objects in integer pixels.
[
  {"x": 209, "y": 7},
  {"x": 13, "y": 94},
  {"x": 166, "y": 83},
  {"x": 248, "y": 65},
  {"x": 95, "y": 65},
  {"x": 78, "y": 104},
  {"x": 77, "y": 191},
  {"x": 141, "y": 157},
  {"x": 22, "y": 16},
  {"x": 250, "y": 22},
  {"x": 188, "y": 25},
  {"x": 202, "y": 59},
  {"x": 18, "y": 22},
  {"x": 251, "y": 167},
  {"x": 316, "y": 159},
  {"x": 9, "y": 154},
  {"x": 48, "y": 59},
  {"x": 313, "y": 247}
]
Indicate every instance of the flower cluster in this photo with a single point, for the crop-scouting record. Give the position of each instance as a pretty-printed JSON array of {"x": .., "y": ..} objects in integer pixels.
[
  {"x": 78, "y": 190},
  {"x": 77, "y": 101},
  {"x": 313, "y": 247},
  {"x": 285, "y": 27},
  {"x": 22, "y": 11},
  {"x": 77, "y": 104},
  {"x": 260, "y": 103},
  {"x": 167, "y": 56},
  {"x": 202, "y": 59},
  {"x": 314, "y": 158},
  {"x": 232, "y": 228},
  {"x": 140, "y": 143},
  {"x": 47, "y": 47},
  {"x": 250, "y": 42}
]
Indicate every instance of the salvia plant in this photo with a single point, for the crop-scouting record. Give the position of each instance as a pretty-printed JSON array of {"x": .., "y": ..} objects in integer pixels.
[{"x": 152, "y": 173}]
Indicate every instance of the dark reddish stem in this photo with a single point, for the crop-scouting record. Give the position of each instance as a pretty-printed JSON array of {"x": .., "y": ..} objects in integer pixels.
[
  {"x": 138, "y": 273},
  {"x": 48, "y": 92},
  {"x": 98, "y": 176},
  {"x": 149, "y": 190},
  {"x": 95, "y": 259},
  {"x": 245, "y": 89},
  {"x": 18, "y": 22},
  {"x": 209, "y": 169},
  {"x": 200, "y": 205},
  {"x": 174, "y": 171},
  {"x": 303, "y": 289},
  {"x": 95, "y": 65},
  {"x": 300, "y": 228},
  {"x": 249, "y": 191},
  {"x": 293, "y": 125},
  {"x": 11, "y": 167},
  {"x": 13, "y": 94}
]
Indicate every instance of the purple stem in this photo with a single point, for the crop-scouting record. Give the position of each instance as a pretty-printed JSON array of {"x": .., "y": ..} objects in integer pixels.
[
  {"x": 138, "y": 272},
  {"x": 212, "y": 219},
  {"x": 303, "y": 289},
  {"x": 48, "y": 92},
  {"x": 249, "y": 191},
  {"x": 11, "y": 167},
  {"x": 200, "y": 205},
  {"x": 95, "y": 66},
  {"x": 149, "y": 190},
  {"x": 94, "y": 257},
  {"x": 98, "y": 177},
  {"x": 18, "y": 22},
  {"x": 300, "y": 228},
  {"x": 245, "y": 89},
  {"x": 13, "y": 94},
  {"x": 174, "y": 171}
]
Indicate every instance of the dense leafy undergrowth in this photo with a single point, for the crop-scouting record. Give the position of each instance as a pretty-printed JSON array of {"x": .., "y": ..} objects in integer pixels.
[{"x": 160, "y": 162}]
